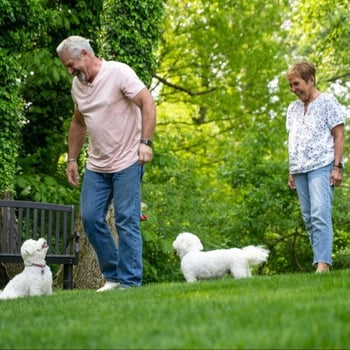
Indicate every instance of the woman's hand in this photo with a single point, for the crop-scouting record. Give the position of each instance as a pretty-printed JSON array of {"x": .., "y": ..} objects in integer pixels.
[{"x": 291, "y": 183}]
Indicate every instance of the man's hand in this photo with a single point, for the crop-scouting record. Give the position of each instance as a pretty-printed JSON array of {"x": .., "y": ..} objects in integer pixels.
[
  {"x": 72, "y": 173},
  {"x": 145, "y": 154}
]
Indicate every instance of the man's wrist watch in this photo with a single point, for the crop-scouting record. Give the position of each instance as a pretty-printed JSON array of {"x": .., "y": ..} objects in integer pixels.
[
  {"x": 146, "y": 142},
  {"x": 339, "y": 166}
]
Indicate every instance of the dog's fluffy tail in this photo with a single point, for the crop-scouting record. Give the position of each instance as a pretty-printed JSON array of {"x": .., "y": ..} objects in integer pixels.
[{"x": 255, "y": 254}]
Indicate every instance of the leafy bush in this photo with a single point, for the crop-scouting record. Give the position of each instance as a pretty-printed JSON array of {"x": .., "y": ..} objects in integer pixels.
[{"x": 45, "y": 188}]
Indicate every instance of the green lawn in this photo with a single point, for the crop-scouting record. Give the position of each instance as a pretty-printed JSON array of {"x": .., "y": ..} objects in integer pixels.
[{"x": 296, "y": 311}]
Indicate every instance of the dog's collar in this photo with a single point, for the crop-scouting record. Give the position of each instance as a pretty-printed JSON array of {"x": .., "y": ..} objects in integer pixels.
[{"x": 38, "y": 265}]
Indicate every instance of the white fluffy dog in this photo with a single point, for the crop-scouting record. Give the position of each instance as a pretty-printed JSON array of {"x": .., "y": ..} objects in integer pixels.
[
  {"x": 36, "y": 278},
  {"x": 197, "y": 265}
]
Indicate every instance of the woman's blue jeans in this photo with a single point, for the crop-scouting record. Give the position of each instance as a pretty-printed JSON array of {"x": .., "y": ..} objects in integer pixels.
[
  {"x": 316, "y": 201},
  {"x": 121, "y": 261}
]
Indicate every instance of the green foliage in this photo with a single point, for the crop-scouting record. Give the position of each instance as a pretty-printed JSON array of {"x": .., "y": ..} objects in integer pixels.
[
  {"x": 222, "y": 98},
  {"x": 46, "y": 87},
  {"x": 11, "y": 122},
  {"x": 130, "y": 33},
  {"x": 34, "y": 138},
  {"x": 319, "y": 31},
  {"x": 45, "y": 188},
  {"x": 341, "y": 219},
  {"x": 182, "y": 198},
  {"x": 219, "y": 121},
  {"x": 13, "y": 17}
]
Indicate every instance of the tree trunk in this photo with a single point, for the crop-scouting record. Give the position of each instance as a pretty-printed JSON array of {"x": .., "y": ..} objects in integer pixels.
[{"x": 87, "y": 275}]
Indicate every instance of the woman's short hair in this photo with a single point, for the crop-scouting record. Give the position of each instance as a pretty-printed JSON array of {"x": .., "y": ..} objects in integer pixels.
[{"x": 304, "y": 70}]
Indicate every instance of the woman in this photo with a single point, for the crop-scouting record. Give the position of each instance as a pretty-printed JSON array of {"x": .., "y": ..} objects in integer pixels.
[{"x": 315, "y": 124}]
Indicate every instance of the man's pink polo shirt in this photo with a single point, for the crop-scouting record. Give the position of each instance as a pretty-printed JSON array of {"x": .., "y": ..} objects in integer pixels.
[{"x": 113, "y": 121}]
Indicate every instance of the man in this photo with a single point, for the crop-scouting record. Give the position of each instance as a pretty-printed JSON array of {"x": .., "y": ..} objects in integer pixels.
[{"x": 117, "y": 112}]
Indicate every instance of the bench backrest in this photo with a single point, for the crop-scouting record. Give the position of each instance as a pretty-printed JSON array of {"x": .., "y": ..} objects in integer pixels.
[{"x": 21, "y": 220}]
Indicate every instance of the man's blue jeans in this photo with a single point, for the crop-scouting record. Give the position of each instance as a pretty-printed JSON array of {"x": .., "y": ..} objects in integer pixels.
[
  {"x": 121, "y": 262},
  {"x": 316, "y": 200}
]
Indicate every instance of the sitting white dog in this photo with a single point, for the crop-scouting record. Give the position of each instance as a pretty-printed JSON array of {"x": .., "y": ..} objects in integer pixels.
[
  {"x": 197, "y": 265},
  {"x": 36, "y": 278}
]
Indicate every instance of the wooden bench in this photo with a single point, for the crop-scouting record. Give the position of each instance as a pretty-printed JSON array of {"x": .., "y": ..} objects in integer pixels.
[{"x": 22, "y": 220}]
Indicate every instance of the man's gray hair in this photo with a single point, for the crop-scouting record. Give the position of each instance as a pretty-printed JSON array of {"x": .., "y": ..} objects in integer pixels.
[{"x": 73, "y": 45}]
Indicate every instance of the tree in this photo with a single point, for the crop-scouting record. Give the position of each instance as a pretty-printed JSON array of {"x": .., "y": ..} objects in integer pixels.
[
  {"x": 222, "y": 100},
  {"x": 49, "y": 106},
  {"x": 220, "y": 106},
  {"x": 13, "y": 19},
  {"x": 130, "y": 33}
]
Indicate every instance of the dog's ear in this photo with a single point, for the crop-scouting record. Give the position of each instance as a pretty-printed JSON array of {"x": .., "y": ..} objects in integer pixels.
[
  {"x": 191, "y": 242},
  {"x": 198, "y": 244},
  {"x": 25, "y": 251},
  {"x": 27, "y": 247}
]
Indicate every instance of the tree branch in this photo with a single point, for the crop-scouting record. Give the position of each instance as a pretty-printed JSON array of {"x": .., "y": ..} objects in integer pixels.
[{"x": 180, "y": 88}]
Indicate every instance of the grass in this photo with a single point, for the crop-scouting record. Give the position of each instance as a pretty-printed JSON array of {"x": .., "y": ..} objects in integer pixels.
[{"x": 296, "y": 311}]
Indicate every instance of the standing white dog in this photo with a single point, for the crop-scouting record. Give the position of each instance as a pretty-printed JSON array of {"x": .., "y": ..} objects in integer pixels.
[
  {"x": 36, "y": 278},
  {"x": 197, "y": 265}
]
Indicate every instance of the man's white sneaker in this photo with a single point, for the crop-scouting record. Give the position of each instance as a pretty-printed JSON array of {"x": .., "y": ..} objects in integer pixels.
[{"x": 109, "y": 286}]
